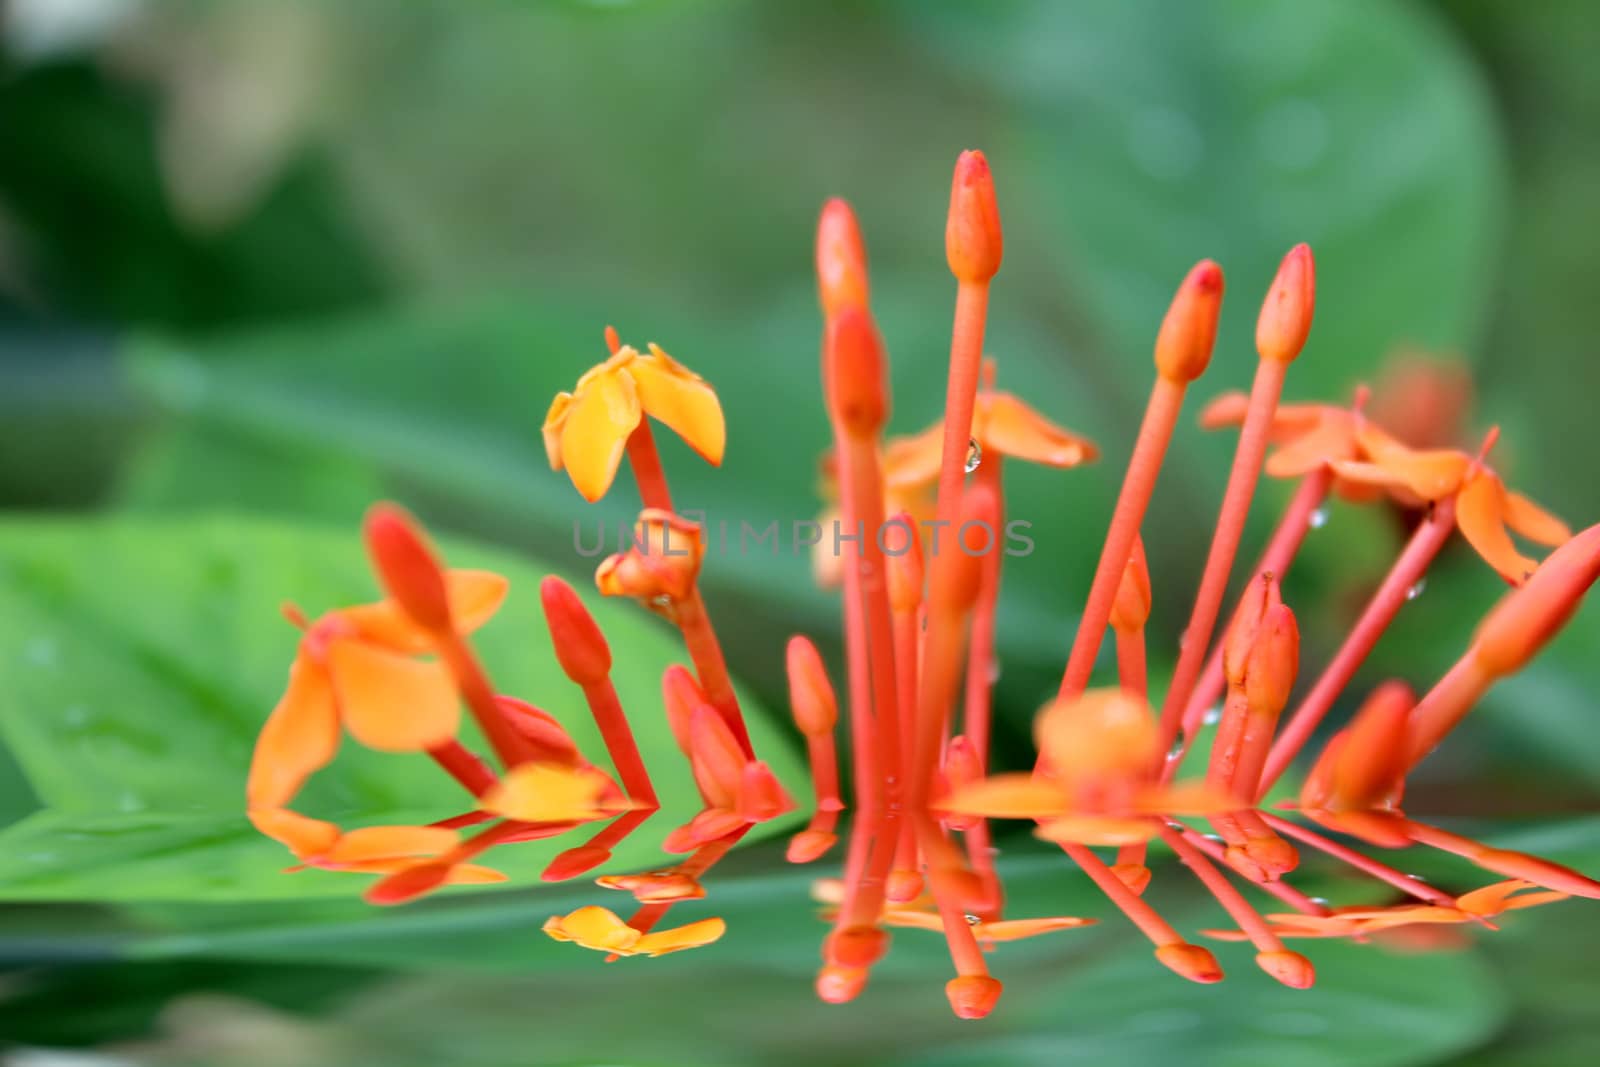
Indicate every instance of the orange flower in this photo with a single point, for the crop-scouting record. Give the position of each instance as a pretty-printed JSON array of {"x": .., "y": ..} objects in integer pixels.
[
  {"x": 369, "y": 850},
  {"x": 586, "y": 430},
  {"x": 922, "y": 914},
  {"x": 1002, "y": 425},
  {"x": 599, "y": 929},
  {"x": 1100, "y": 750},
  {"x": 359, "y": 666},
  {"x": 554, "y": 793},
  {"x": 738, "y": 791},
  {"x": 1484, "y": 506},
  {"x": 1307, "y": 436},
  {"x": 661, "y": 564}
]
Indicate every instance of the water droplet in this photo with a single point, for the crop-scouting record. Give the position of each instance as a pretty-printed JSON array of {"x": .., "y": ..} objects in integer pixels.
[
  {"x": 1178, "y": 745},
  {"x": 1213, "y": 715},
  {"x": 1416, "y": 878},
  {"x": 1213, "y": 837},
  {"x": 974, "y": 454},
  {"x": 1323, "y": 901},
  {"x": 1318, "y": 518},
  {"x": 1416, "y": 588},
  {"x": 972, "y": 920},
  {"x": 662, "y": 601}
]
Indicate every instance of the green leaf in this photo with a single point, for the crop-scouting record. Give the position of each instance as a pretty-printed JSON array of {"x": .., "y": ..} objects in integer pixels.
[{"x": 145, "y": 654}]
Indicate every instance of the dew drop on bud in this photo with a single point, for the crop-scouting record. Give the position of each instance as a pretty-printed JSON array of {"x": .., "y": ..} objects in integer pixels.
[
  {"x": 1323, "y": 901},
  {"x": 1178, "y": 745},
  {"x": 972, "y": 920},
  {"x": 1213, "y": 715},
  {"x": 1416, "y": 588},
  {"x": 974, "y": 454},
  {"x": 1318, "y": 518}
]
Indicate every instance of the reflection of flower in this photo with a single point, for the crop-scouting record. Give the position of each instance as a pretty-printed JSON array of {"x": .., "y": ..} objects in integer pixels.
[{"x": 921, "y": 663}]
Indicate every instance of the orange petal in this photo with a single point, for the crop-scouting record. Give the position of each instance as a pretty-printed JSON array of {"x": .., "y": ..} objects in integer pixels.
[
  {"x": 1104, "y": 734},
  {"x": 914, "y": 460},
  {"x": 302, "y": 835},
  {"x": 388, "y": 842},
  {"x": 1008, "y": 796},
  {"x": 474, "y": 598},
  {"x": 392, "y": 703},
  {"x": 683, "y": 401},
  {"x": 1480, "y": 514},
  {"x": 715, "y": 757},
  {"x": 1329, "y": 441},
  {"x": 1533, "y": 522},
  {"x": 299, "y": 737},
  {"x": 594, "y": 927},
  {"x": 1226, "y": 410},
  {"x": 602, "y": 415},
  {"x": 549, "y": 792},
  {"x": 692, "y": 935},
  {"x": 1012, "y": 428}
]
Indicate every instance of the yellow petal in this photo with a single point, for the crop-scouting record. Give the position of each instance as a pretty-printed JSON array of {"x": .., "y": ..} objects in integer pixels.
[
  {"x": 1012, "y": 428},
  {"x": 550, "y": 792},
  {"x": 474, "y": 597},
  {"x": 1008, "y": 796},
  {"x": 302, "y": 835},
  {"x": 389, "y": 842},
  {"x": 390, "y": 702},
  {"x": 1480, "y": 514},
  {"x": 682, "y": 401},
  {"x": 1098, "y": 829},
  {"x": 299, "y": 737},
  {"x": 692, "y": 935},
  {"x": 473, "y": 874},
  {"x": 554, "y": 421},
  {"x": 593, "y": 927},
  {"x": 602, "y": 415},
  {"x": 1017, "y": 929},
  {"x": 1533, "y": 522}
]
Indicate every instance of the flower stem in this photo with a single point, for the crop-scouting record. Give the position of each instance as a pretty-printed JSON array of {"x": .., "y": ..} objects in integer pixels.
[
  {"x": 1426, "y": 541},
  {"x": 464, "y": 766}
]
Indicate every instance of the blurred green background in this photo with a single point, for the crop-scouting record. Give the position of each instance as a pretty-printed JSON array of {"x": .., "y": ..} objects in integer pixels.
[{"x": 264, "y": 262}]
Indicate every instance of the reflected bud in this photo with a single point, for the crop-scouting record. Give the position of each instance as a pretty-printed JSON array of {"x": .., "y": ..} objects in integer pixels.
[
  {"x": 811, "y": 695},
  {"x": 856, "y": 373}
]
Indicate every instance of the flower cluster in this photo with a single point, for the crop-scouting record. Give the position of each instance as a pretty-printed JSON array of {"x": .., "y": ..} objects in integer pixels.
[{"x": 921, "y": 660}]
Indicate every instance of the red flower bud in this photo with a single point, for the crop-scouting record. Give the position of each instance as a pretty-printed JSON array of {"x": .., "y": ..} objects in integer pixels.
[
  {"x": 408, "y": 567},
  {"x": 972, "y": 239}
]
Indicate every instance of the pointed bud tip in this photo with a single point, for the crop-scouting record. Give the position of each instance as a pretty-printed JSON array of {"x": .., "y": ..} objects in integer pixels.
[
  {"x": 974, "y": 243},
  {"x": 841, "y": 259},
  {"x": 973, "y": 996},
  {"x": 580, "y": 645},
  {"x": 1290, "y": 968},
  {"x": 1136, "y": 876},
  {"x": 1286, "y": 314},
  {"x": 407, "y": 566},
  {"x": 808, "y": 846},
  {"x": 1529, "y": 616},
  {"x": 1189, "y": 330},
  {"x": 1192, "y": 961}
]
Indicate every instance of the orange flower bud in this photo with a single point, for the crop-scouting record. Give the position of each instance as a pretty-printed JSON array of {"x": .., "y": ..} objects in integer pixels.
[
  {"x": 840, "y": 985},
  {"x": 855, "y": 946},
  {"x": 972, "y": 240},
  {"x": 1136, "y": 876},
  {"x": 662, "y": 564},
  {"x": 715, "y": 757},
  {"x": 408, "y": 567},
  {"x": 841, "y": 259},
  {"x": 1373, "y": 755},
  {"x": 811, "y": 696},
  {"x": 857, "y": 373},
  {"x": 1285, "y": 320},
  {"x": 905, "y": 567},
  {"x": 760, "y": 795},
  {"x": 808, "y": 846},
  {"x": 1183, "y": 347},
  {"x": 1290, "y": 968},
  {"x": 574, "y": 862},
  {"x": 1529, "y": 616},
  {"x": 551, "y": 742},
  {"x": 1261, "y": 653},
  {"x": 1192, "y": 961},
  {"x": 1103, "y": 735},
  {"x": 1131, "y": 609},
  {"x": 973, "y": 996},
  {"x": 580, "y": 647}
]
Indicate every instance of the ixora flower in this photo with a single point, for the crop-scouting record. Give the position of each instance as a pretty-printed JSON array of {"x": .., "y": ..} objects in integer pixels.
[{"x": 1110, "y": 780}]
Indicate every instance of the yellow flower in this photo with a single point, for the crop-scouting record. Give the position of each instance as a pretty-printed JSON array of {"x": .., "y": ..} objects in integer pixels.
[
  {"x": 599, "y": 929},
  {"x": 587, "y": 429}
]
